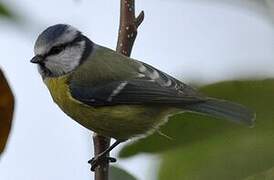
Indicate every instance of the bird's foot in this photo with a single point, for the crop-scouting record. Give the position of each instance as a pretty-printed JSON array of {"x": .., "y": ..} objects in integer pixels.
[{"x": 100, "y": 159}]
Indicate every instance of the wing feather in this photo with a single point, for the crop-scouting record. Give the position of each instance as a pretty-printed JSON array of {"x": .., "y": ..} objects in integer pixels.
[{"x": 145, "y": 85}]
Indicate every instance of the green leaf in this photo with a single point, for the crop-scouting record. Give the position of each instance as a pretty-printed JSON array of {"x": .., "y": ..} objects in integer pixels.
[
  {"x": 266, "y": 175},
  {"x": 4, "y": 11},
  {"x": 234, "y": 152},
  {"x": 120, "y": 174},
  {"x": 189, "y": 128},
  {"x": 206, "y": 148}
]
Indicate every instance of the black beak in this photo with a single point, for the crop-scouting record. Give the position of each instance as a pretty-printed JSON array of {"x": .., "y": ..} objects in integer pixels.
[{"x": 37, "y": 59}]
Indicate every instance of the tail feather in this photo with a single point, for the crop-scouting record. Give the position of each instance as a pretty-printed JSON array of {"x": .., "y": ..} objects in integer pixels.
[{"x": 224, "y": 110}]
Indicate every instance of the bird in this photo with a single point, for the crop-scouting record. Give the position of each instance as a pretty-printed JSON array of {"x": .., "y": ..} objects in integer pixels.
[{"x": 114, "y": 95}]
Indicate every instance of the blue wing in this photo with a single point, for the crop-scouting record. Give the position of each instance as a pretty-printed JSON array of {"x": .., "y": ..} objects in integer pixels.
[{"x": 147, "y": 86}]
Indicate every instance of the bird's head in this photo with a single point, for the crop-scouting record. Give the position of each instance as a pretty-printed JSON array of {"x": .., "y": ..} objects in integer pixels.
[{"x": 60, "y": 49}]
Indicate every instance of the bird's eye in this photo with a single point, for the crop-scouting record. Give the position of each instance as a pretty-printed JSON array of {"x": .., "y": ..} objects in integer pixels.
[{"x": 56, "y": 50}]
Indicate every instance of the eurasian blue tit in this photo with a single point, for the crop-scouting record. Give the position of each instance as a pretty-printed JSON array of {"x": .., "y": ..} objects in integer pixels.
[{"x": 114, "y": 95}]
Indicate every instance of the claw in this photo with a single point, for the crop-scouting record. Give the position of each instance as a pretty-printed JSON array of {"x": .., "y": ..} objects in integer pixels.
[
  {"x": 96, "y": 161},
  {"x": 112, "y": 160},
  {"x": 103, "y": 157}
]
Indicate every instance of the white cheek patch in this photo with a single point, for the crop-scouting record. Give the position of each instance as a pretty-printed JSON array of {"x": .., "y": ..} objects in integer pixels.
[{"x": 66, "y": 61}]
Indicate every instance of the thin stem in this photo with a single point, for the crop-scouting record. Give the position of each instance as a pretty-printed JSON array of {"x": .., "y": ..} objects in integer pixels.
[
  {"x": 128, "y": 27},
  {"x": 100, "y": 145},
  {"x": 127, "y": 35}
]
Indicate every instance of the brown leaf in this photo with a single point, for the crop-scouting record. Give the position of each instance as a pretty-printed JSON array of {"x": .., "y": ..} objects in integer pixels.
[{"x": 6, "y": 110}]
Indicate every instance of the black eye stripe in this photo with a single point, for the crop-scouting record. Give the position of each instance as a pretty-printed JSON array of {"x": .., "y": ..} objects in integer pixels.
[{"x": 58, "y": 48}]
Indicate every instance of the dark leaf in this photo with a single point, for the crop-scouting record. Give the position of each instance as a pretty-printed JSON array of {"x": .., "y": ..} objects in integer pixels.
[{"x": 6, "y": 110}]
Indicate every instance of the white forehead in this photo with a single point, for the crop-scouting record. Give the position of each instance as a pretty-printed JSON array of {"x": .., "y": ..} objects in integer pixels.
[{"x": 53, "y": 37}]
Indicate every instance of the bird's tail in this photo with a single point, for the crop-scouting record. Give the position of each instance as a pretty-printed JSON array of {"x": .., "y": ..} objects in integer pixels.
[{"x": 224, "y": 110}]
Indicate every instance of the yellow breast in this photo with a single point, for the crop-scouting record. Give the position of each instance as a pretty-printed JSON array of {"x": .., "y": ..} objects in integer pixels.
[{"x": 120, "y": 122}]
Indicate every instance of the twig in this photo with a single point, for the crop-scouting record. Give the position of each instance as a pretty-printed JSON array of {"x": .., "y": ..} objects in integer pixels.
[
  {"x": 128, "y": 27},
  {"x": 127, "y": 35},
  {"x": 100, "y": 144}
]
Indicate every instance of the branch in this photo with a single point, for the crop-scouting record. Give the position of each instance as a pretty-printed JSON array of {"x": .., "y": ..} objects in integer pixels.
[
  {"x": 128, "y": 27},
  {"x": 127, "y": 35},
  {"x": 100, "y": 144}
]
